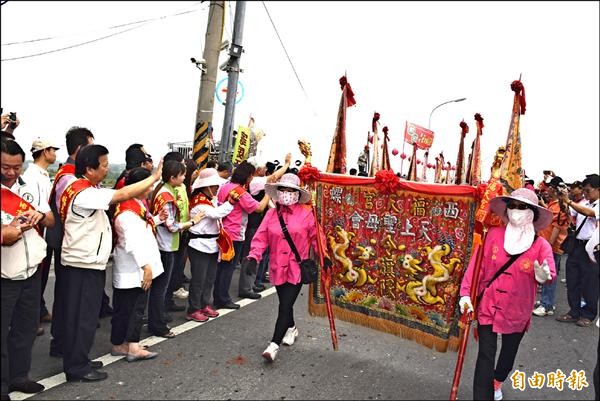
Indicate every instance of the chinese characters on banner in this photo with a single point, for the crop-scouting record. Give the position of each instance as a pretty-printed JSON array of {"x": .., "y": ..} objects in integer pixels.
[
  {"x": 398, "y": 258},
  {"x": 414, "y": 133},
  {"x": 241, "y": 147}
]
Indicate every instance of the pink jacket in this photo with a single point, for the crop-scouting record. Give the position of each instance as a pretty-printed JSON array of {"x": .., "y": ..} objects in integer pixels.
[
  {"x": 300, "y": 223},
  {"x": 508, "y": 302}
]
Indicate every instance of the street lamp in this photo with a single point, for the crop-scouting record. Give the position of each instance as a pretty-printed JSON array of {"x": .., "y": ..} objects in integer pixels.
[{"x": 441, "y": 104}]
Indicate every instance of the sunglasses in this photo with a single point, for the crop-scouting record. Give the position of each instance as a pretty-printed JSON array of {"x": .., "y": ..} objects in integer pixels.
[{"x": 517, "y": 205}]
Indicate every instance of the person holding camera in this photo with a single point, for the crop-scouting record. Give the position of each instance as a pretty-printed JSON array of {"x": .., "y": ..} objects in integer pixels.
[
  {"x": 284, "y": 269},
  {"x": 582, "y": 274},
  {"x": 555, "y": 234},
  {"x": 8, "y": 123}
]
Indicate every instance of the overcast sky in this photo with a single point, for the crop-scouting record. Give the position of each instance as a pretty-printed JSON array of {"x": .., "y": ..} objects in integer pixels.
[{"x": 402, "y": 59}]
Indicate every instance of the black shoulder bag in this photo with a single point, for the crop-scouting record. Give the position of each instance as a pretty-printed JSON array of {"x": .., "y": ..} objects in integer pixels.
[
  {"x": 568, "y": 245},
  {"x": 500, "y": 271},
  {"x": 309, "y": 271}
]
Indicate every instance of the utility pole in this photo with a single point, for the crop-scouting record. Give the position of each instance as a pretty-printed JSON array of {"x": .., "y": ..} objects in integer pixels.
[
  {"x": 233, "y": 69},
  {"x": 208, "y": 81}
]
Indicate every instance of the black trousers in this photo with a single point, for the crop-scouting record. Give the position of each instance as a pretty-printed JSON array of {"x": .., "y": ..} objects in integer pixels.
[
  {"x": 483, "y": 380},
  {"x": 45, "y": 272},
  {"x": 126, "y": 323},
  {"x": 287, "y": 294},
  {"x": 82, "y": 299},
  {"x": 20, "y": 319},
  {"x": 582, "y": 280},
  {"x": 156, "y": 302},
  {"x": 204, "y": 273},
  {"x": 225, "y": 274},
  {"x": 179, "y": 258},
  {"x": 58, "y": 306}
]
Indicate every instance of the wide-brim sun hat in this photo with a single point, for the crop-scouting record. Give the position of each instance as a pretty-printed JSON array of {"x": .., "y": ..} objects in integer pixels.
[
  {"x": 208, "y": 177},
  {"x": 524, "y": 195},
  {"x": 288, "y": 180}
]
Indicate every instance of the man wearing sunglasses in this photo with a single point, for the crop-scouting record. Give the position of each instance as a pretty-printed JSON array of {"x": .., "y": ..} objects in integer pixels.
[{"x": 582, "y": 274}]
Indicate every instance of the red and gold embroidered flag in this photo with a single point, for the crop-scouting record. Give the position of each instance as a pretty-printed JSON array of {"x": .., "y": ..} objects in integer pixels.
[
  {"x": 512, "y": 171},
  {"x": 337, "y": 153},
  {"x": 399, "y": 251},
  {"x": 475, "y": 168}
]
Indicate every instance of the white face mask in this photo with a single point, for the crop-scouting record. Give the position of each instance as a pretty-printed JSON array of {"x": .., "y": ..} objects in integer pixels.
[
  {"x": 288, "y": 198},
  {"x": 519, "y": 218},
  {"x": 520, "y": 232}
]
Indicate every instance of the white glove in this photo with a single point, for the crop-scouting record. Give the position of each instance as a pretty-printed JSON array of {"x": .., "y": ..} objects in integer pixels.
[
  {"x": 542, "y": 272},
  {"x": 465, "y": 303}
]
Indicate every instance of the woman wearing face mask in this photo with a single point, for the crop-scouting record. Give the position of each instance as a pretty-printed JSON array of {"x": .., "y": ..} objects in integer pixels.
[
  {"x": 506, "y": 300},
  {"x": 284, "y": 270},
  {"x": 203, "y": 248}
]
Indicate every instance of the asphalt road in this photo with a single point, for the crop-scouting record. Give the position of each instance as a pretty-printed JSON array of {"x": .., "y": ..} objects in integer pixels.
[{"x": 221, "y": 359}]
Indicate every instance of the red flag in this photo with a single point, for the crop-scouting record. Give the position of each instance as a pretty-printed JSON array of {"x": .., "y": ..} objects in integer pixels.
[
  {"x": 337, "y": 154},
  {"x": 415, "y": 134}
]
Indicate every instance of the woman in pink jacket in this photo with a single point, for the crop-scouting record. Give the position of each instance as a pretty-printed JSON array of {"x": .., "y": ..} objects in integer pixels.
[
  {"x": 284, "y": 270},
  {"x": 506, "y": 299}
]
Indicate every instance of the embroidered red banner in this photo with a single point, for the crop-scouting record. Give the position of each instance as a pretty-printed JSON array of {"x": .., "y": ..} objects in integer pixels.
[{"x": 399, "y": 256}]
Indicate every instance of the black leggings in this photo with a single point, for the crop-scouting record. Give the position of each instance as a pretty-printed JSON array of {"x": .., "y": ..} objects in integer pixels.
[
  {"x": 483, "y": 387},
  {"x": 287, "y": 294}
]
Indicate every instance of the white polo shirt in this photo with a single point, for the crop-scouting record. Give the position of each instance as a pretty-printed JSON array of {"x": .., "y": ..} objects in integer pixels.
[
  {"x": 37, "y": 181},
  {"x": 590, "y": 222}
]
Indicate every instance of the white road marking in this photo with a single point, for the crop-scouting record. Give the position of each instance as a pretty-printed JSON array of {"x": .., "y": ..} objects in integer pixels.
[{"x": 107, "y": 359}]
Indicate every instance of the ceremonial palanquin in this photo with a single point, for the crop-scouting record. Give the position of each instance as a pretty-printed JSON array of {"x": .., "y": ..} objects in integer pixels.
[{"x": 398, "y": 255}]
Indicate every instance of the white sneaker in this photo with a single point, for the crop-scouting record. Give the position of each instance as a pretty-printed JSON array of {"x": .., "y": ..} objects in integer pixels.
[
  {"x": 497, "y": 390},
  {"x": 542, "y": 311},
  {"x": 270, "y": 352},
  {"x": 181, "y": 293},
  {"x": 290, "y": 336}
]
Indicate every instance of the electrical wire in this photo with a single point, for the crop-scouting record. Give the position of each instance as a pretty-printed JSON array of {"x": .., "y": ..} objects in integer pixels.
[
  {"x": 285, "y": 50},
  {"x": 102, "y": 29},
  {"x": 75, "y": 45},
  {"x": 88, "y": 32}
]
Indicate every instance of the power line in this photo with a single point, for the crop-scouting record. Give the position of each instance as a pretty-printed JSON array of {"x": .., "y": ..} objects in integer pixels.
[
  {"x": 284, "y": 49},
  {"x": 97, "y": 30},
  {"x": 75, "y": 45}
]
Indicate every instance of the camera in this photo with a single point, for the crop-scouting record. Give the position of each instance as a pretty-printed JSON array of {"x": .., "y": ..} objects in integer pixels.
[{"x": 13, "y": 119}]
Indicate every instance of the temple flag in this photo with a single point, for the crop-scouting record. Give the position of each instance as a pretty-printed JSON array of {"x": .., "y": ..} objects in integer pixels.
[
  {"x": 512, "y": 171},
  {"x": 375, "y": 165},
  {"x": 399, "y": 251},
  {"x": 475, "y": 168},
  {"x": 337, "y": 153},
  {"x": 460, "y": 160},
  {"x": 385, "y": 155}
]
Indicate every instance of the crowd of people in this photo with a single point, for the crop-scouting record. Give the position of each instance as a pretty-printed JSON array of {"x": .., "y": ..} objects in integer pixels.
[
  {"x": 152, "y": 222},
  {"x": 220, "y": 218}
]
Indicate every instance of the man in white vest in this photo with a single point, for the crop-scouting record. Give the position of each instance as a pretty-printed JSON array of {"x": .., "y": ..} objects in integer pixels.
[
  {"x": 21, "y": 284},
  {"x": 86, "y": 247}
]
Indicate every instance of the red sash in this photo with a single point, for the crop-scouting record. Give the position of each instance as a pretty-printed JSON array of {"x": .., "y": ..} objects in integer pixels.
[
  {"x": 70, "y": 192},
  {"x": 65, "y": 169},
  {"x": 224, "y": 240},
  {"x": 14, "y": 205},
  {"x": 161, "y": 200},
  {"x": 140, "y": 210}
]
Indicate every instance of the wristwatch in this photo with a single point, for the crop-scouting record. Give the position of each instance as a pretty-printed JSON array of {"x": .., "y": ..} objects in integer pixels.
[{"x": 43, "y": 216}]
